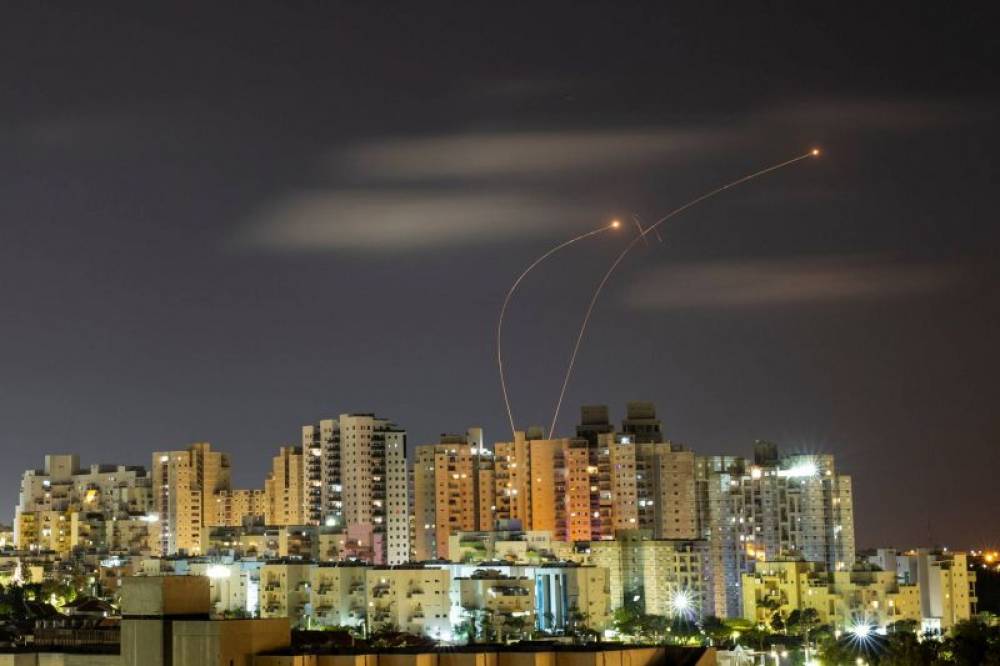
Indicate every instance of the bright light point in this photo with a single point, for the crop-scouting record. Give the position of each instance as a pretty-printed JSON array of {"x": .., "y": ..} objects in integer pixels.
[
  {"x": 861, "y": 630},
  {"x": 217, "y": 571},
  {"x": 681, "y": 604},
  {"x": 801, "y": 470},
  {"x": 615, "y": 224},
  {"x": 814, "y": 152}
]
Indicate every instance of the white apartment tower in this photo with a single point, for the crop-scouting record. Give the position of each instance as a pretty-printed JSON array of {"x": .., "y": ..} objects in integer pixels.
[{"x": 356, "y": 480}]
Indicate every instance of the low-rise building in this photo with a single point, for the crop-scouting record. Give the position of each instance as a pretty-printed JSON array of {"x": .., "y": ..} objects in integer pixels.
[
  {"x": 566, "y": 594},
  {"x": 337, "y": 595},
  {"x": 843, "y": 599},
  {"x": 947, "y": 584},
  {"x": 488, "y": 597},
  {"x": 409, "y": 598},
  {"x": 285, "y": 590},
  {"x": 506, "y": 546}
]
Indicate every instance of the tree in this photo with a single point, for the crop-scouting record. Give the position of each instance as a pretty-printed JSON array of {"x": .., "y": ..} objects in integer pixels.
[
  {"x": 903, "y": 649},
  {"x": 717, "y": 631},
  {"x": 517, "y": 626},
  {"x": 626, "y": 621},
  {"x": 971, "y": 642},
  {"x": 683, "y": 630},
  {"x": 578, "y": 625},
  {"x": 755, "y": 637},
  {"x": 903, "y": 627},
  {"x": 777, "y": 622}
]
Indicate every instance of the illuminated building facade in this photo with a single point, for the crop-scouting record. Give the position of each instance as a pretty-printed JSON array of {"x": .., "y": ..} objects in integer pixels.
[
  {"x": 772, "y": 508},
  {"x": 62, "y": 506},
  {"x": 445, "y": 492},
  {"x": 184, "y": 483},
  {"x": 356, "y": 479},
  {"x": 285, "y": 488},
  {"x": 861, "y": 596},
  {"x": 412, "y": 599},
  {"x": 947, "y": 584}
]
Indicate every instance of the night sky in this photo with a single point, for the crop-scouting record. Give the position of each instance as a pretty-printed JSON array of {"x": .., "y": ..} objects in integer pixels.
[{"x": 221, "y": 223}]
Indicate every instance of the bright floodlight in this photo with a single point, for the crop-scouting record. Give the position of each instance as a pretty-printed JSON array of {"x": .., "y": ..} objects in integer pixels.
[
  {"x": 681, "y": 603},
  {"x": 861, "y": 630},
  {"x": 217, "y": 571},
  {"x": 803, "y": 469},
  {"x": 615, "y": 224},
  {"x": 814, "y": 152}
]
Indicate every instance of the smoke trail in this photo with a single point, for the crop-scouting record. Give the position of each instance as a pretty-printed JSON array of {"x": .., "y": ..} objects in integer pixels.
[
  {"x": 510, "y": 294},
  {"x": 633, "y": 243}
]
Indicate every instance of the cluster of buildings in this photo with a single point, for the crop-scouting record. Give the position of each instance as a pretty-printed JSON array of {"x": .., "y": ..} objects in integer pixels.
[{"x": 351, "y": 529}]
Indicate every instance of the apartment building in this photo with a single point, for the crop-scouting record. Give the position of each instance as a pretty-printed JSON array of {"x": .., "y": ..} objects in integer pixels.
[{"x": 356, "y": 479}]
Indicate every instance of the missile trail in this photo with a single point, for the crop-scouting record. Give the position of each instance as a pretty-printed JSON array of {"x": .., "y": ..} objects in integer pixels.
[
  {"x": 614, "y": 265},
  {"x": 510, "y": 294}
]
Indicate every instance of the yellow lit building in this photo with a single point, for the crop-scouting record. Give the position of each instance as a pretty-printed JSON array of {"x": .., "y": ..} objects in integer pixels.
[
  {"x": 184, "y": 482},
  {"x": 285, "y": 590},
  {"x": 842, "y": 598},
  {"x": 577, "y": 490},
  {"x": 947, "y": 585},
  {"x": 86, "y": 498},
  {"x": 284, "y": 489},
  {"x": 231, "y": 508},
  {"x": 410, "y": 599},
  {"x": 508, "y": 602},
  {"x": 445, "y": 492},
  {"x": 337, "y": 595},
  {"x": 661, "y": 574}
]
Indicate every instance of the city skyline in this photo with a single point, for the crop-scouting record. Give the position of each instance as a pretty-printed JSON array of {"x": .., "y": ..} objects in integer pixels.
[{"x": 221, "y": 237}]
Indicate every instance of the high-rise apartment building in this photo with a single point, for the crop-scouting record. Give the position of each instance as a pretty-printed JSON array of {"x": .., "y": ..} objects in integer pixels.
[
  {"x": 655, "y": 575},
  {"x": 598, "y": 483},
  {"x": 285, "y": 488},
  {"x": 356, "y": 479},
  {"x": 718, "y": 518},
  {"x": 775, "y": 507},
  {"x": 184, "y": 482},
  {"x": 445, "y": 492},
  {"x": 647, "y": 482},
  {"x": 234, "y": 507},
  {"x": 576, "y": 489}
]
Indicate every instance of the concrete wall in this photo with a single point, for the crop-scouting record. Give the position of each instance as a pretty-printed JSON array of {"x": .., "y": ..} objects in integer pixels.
[
  {"x": 165, "y": 595},
  {"x": 467, "y": 659},
  {"x": 225, "y": 642},
  {"x": 59, "y": 659},
  {"x": 14, "y": 659},
  {"x": 651, "y": 656},
  {"x": 142, "y": 642}
]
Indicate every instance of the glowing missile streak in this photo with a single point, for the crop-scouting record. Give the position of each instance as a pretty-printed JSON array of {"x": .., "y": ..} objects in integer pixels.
[
  {"x": 639, "y": 224},
  {"x": 510, "y": 293},
  {"x": 642, "y": 234},
  {"x": 614, "y": 265}
]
